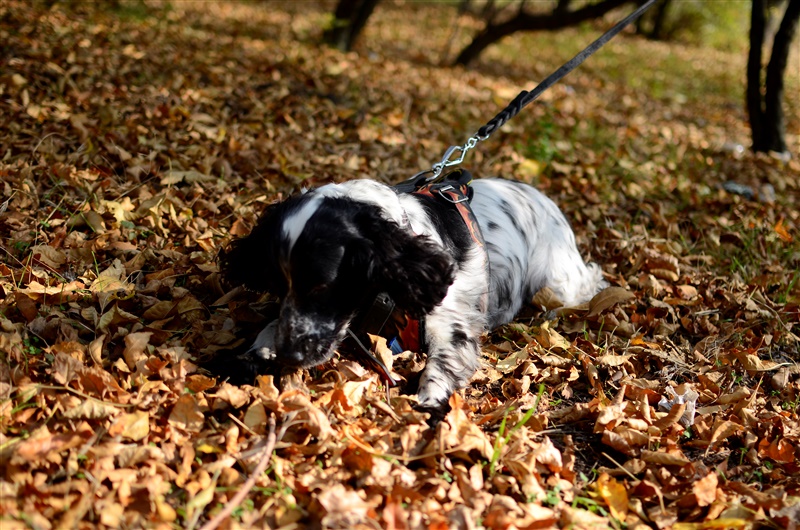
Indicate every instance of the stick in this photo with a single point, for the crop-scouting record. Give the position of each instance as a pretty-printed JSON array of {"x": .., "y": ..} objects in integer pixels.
[{"x": 248, "y": 485}]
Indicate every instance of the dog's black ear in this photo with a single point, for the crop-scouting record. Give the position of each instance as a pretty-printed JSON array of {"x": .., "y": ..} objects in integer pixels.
[
  {"x": 412, "y": 269},
  {"x": 252, "y": 260}
]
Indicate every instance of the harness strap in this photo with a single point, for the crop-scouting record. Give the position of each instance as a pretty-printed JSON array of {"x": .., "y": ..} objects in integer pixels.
[{"x": 455, "y": 189}]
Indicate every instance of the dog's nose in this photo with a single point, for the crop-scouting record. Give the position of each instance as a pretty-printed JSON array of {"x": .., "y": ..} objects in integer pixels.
[
  {"x": 293, "y": 356},
  {"x": 296, "y": 351}
]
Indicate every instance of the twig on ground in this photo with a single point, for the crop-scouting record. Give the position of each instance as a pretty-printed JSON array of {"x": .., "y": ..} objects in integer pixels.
[{"x": 248, "y": 485}]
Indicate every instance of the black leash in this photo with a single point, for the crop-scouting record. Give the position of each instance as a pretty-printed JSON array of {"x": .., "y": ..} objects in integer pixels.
[{"x": 524, "y": 98}]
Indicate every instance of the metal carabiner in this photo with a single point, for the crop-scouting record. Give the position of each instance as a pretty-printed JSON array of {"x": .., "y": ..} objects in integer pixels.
[{"x": 446, "y": 162}]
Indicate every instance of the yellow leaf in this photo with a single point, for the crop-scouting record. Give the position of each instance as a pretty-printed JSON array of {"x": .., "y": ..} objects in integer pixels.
[
  {"x": 529, "y": 169},
  {"x": 614, "y": 495},
  {"x": 207, "y": 449}
]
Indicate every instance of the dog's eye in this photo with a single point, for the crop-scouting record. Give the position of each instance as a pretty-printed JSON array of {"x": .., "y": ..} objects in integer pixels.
[{"x": 318, "y": 289}]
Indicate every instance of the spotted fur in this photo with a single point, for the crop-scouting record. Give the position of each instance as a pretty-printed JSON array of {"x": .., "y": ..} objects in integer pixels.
[{"x": 328, "y": 252}]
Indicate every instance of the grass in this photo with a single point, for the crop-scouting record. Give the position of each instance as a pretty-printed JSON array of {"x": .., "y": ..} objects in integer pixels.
[{"x": 502, "y": 438}]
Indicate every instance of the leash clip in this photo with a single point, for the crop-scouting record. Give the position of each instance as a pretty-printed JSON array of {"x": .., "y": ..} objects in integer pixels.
[{"x": 446, "y": 159}]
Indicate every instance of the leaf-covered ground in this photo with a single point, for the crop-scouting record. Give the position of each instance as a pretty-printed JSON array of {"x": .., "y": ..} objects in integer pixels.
[{"x": 135, "y": 142}]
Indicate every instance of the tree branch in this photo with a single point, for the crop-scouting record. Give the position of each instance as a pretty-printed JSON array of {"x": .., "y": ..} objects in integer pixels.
[
  {"x": 523, "y": 21},
  {"x": 248, "y": 485}
]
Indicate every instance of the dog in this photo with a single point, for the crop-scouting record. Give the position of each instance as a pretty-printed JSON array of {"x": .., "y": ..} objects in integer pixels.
[{"x": 328, "y": 252}]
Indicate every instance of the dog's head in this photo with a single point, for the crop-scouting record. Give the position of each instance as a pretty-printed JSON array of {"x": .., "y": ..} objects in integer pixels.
[{"x": 327, "y": 257}]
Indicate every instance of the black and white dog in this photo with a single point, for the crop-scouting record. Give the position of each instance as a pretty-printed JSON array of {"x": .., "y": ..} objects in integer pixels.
[{"x": 327, "y": 253}]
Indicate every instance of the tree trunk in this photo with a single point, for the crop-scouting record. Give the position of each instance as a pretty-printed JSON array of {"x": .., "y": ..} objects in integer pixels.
[
  {"x": 659, "y": 17},
  {"x": 774, "y": 124},
  {"x": 562, "y": 7},
  {"x": 349, "y": 19},
  {"x": 765, "y": 112},
  {"x": 755, "y": 108},
  {"x": 528, "y": 22}
]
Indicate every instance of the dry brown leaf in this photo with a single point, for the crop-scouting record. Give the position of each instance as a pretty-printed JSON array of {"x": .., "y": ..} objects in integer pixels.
[
  {"x": 617, "y": 442},
  {"x": 316, "y": 421},
  {"x": 510, "y": 362},
  {"x": 26, "y": 306},
  {"x": 132, "y": 426},
  {"x": 705, "y": 489},
  {"x": 135, "y": 347},
  {"x": 44, "y": 445},
  {"x": 92, "y": 409},
  {"x": 672, "y": 417},
  {"x": 722, "y": 431},
  {"x": 52, "y": 257},
  {"x": 546, "y": 299},
  {"x": 582, "y": 519},
  {"x": 95, "y": 349},
  {"x": 186, "y": 414},
  {"x": 550, "y": 339},
  {"x": 781, "y": 450},
  {"x": 612, "y": 360},
  {"x": 752, "y": 363},
  {"x": 740, "y": 394},
  {"x": 256, "y": 417},
  {"x": 461, "y": 433},
  {"x": 663, "y": 458},
  {"x": 343, "y": 507},
  {"x": 607, "y": 298},
  {"x": 633, "y": 437},
  {"x": 232, "y": 395},
  {"x": 66, "y": 368}
]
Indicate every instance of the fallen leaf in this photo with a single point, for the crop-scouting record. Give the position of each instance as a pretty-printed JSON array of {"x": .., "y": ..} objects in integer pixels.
[
  {"x": 186, "y": 414},
  {"x": 614, "y": 495},
  {"x": 133, "y": 426},
  {"x": 607, "y": 298}
]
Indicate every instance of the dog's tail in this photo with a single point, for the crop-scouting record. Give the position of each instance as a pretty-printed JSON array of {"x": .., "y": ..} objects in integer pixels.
[{"x": 576, "y": 282}]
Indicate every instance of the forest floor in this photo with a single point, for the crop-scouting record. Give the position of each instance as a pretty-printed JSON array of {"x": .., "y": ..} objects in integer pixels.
[{"x": 136, "y": 142}]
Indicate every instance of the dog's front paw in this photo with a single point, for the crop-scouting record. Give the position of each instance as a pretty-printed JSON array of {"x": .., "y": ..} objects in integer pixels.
[{"x": 437, "y": 412}]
